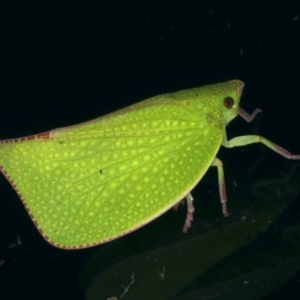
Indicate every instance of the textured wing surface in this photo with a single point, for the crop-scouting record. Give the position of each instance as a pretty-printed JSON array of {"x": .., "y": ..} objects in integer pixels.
[{"x": 87, "y": 184}]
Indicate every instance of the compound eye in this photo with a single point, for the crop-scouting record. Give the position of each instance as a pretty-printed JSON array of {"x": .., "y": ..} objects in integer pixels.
[{"x": 228, "y": 102}]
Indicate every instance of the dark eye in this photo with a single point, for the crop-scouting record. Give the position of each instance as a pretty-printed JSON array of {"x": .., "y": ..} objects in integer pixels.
[{"x": 228, "y": 102}]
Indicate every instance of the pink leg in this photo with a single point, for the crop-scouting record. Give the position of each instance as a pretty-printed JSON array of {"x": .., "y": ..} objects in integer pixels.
[
  {"x": 222, "y": 189},
  {"x": 190, "y": 211}
]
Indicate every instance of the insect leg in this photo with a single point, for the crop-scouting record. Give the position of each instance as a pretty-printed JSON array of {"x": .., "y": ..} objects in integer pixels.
[
  {"x": 222, "y": 189},
  {"x": 247, "y": 117},
  {"x": 251, "y": 139},
  {"x": 190, "y": 210}
]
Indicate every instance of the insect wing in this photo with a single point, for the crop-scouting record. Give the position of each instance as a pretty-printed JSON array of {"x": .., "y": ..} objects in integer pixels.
[{"x": 87, "y": 184}]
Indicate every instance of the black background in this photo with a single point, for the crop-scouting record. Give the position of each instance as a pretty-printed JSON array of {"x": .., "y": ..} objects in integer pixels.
[{"x": 64, "y": 64}]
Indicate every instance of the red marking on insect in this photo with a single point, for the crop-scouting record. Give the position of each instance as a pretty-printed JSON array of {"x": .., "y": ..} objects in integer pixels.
[
  {"x": 44, "y": 135},
  {"x": 41, "y": 136}
]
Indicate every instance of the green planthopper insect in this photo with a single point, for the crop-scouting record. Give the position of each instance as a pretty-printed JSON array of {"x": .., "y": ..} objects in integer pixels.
[{"x": 91, "y": 183}]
